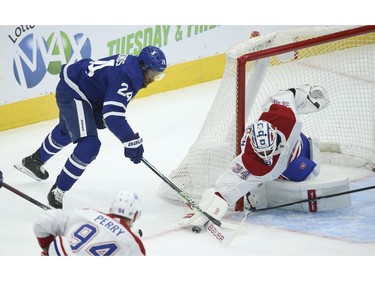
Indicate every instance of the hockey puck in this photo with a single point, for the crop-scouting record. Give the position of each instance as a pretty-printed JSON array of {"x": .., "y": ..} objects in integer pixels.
[{"x": 196, "y": 229}]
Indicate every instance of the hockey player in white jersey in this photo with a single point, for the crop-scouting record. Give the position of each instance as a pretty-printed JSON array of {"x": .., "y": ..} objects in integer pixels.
[
  {"x": 87, "y": 232},
  {"x": 273, "y": 147}
]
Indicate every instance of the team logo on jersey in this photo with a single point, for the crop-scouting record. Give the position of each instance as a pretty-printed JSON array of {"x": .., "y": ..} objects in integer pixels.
[{"x": 35, "y": 55}]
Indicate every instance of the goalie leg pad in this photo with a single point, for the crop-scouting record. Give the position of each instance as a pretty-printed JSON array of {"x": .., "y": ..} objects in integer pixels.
[{"x": 212, "y": 204}]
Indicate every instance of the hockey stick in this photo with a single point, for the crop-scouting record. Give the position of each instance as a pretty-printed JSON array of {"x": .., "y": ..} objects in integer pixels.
[
  {"x": 253, "y": 210},
  {"x": 25, "y": 196},
  {"x": 190, "y": 202},
  {"x": 308, "y": 200},
  {"x": 237, "y": 231},
  {"x": 35, "y": 202},
  {"x": 213, "y": 225}
]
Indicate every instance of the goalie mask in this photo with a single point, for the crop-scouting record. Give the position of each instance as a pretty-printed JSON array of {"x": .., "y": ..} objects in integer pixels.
[
  {"x": 126, "y": 204},
  {"x": 263, "y": 139}
]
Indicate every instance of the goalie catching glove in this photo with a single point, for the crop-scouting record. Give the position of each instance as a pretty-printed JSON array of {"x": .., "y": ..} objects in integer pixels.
[
  {"x": 310, "y": 98},
  {"x": 211, "y": 203}
]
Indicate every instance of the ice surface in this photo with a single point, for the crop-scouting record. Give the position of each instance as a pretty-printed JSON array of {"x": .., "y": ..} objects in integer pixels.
[{"x": 169, "y": 123}]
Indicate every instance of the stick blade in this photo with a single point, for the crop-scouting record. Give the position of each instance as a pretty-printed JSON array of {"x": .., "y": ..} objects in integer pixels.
[{"x": 223, "y": 235}]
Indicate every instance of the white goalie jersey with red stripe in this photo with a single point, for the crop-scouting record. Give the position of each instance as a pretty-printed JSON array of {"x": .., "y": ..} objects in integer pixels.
[
  {"x": 280, "y": 110},
  {"x": 89, "y": 232},
  {"x": 247, "y": 170}
]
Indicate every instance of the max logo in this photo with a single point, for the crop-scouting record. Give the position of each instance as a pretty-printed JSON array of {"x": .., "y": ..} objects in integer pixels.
[{"x": 35, "y": 55}]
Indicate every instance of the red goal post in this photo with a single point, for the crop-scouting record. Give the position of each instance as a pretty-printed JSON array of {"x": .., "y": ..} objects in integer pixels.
[{"x": 339, "y": 58}]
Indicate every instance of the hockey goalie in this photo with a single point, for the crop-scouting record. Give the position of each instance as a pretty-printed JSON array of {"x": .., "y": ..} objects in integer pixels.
[{"x": 273, "y": 147}]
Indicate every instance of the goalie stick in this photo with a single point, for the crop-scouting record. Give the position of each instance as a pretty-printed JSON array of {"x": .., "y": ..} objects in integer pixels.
[
  {"x": 251, "y": 211},
  {"x": 308, "y": 200},
  {"x": 213, "y": 226}
]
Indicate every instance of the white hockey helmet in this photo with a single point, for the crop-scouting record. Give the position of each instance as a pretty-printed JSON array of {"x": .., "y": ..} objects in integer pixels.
[
  {"x": 263, "y": 139},
  {"x": 126, "y": 204}
]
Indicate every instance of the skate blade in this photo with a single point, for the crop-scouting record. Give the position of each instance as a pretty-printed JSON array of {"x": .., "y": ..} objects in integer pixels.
[{"x": 26, "y": 171}]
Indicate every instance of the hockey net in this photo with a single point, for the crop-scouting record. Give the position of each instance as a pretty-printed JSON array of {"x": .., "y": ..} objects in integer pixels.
[{"x": 339, "y": 58}]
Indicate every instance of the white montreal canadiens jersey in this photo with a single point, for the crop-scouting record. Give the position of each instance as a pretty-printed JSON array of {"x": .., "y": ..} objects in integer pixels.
[
  {"x": 280, "y": 111},
  {"x": 89, "y": 232}
]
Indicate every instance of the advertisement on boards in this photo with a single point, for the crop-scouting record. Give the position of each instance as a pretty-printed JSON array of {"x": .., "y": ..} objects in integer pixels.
[{"x": 31, "y": 56}]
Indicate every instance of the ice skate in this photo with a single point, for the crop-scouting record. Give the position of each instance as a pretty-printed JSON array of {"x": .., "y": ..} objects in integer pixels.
[
  {"x": 55, "y": 197},
  {"x": 33, "y": 167}
]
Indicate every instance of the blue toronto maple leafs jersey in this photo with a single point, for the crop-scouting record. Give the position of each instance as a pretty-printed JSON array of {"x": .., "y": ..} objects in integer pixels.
[{"x": 108, "y": 85}]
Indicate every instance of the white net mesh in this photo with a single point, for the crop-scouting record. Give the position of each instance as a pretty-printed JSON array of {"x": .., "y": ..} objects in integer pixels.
[{"x": 345, "y": 68}]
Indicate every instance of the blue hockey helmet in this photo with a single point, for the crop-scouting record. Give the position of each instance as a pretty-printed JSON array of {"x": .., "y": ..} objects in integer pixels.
[{"x": 154, "y": 58}]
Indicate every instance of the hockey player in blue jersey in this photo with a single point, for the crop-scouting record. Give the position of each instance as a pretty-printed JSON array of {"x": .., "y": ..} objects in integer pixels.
[{"x": 92, "y": 95}]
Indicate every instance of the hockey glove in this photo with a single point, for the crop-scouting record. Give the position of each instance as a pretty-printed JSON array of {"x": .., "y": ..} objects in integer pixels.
[
  {"x": 134, "y": 148},
  {"x": 311, "y": 99},
  {"x": 212, "y": 203},
  {"x": 44, "y": 253}
]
